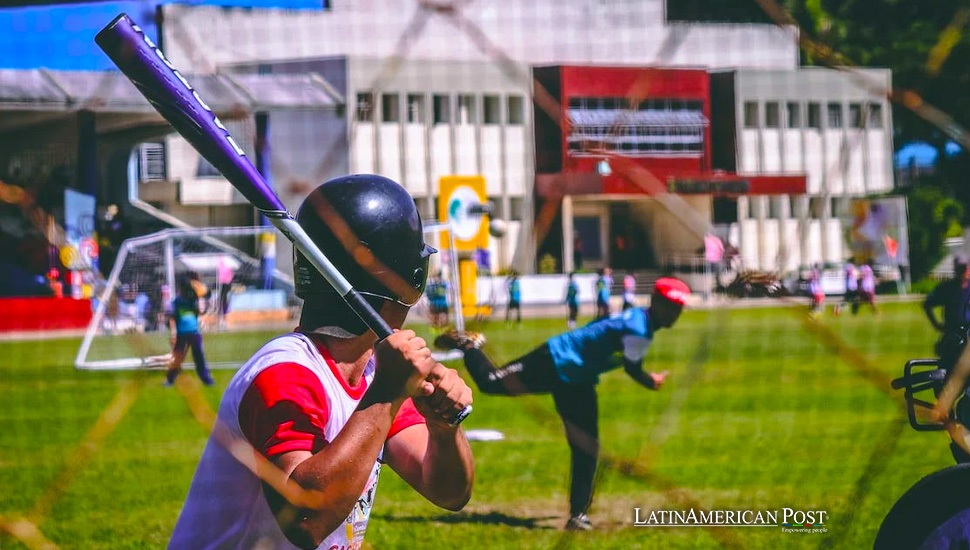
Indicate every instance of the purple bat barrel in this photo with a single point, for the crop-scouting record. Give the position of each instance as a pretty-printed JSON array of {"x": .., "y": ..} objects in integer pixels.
[{"x": 175, "y": 99}]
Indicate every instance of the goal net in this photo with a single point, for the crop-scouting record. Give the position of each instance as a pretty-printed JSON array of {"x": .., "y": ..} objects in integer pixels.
[{"x": 239, "y": 294}]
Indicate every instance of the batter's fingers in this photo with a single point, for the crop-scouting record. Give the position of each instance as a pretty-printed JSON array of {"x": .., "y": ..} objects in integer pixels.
[
  {"x": 450, "y": 401},
  {"x": 418, "y": 343},
  {"x": 438, "y": 373}
]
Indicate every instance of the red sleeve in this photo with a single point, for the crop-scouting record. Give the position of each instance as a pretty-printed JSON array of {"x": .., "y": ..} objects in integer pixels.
[
  {"x": 407, "y": 416},
  {"x": 285, "y": 409}
]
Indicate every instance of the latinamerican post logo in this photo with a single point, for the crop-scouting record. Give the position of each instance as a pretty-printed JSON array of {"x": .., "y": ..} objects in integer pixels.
[{"x": 790, "y": 520}]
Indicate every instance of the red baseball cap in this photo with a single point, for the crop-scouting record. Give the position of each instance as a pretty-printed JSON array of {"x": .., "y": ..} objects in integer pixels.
[{"x": 672, "y": 289}]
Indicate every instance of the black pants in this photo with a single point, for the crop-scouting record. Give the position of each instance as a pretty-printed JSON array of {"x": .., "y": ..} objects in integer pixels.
[{"x": 535, "y": 373}]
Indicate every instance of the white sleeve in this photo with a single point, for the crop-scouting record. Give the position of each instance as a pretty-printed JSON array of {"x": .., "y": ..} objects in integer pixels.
[{"x": 635, "y": 347}]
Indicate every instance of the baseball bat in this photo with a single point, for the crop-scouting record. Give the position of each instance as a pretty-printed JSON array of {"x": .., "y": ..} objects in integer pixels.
[{"x": 180, "y": 104}]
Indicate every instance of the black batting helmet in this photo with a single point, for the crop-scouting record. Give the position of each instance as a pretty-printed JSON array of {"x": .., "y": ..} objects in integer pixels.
[{"x": 369, "y": 228}]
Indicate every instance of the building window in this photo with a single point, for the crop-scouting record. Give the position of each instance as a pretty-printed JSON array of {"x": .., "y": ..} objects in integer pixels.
[
  {"x": 816, "y": 207},
  {"x": 875, "y": 115},
  {"x": 442, "y": 109},
  {"x": 365, "y": 107},
  {"x": 750, "y": 114},
  {"x": 772, "y": 115},
  {"x": 466, "y": 109},
  {"x": 855, "y": 116},
  {"x": 492, "y": 110},
  {"x": 390, "y": 108},
  {"x": 815, "y": 116},
  {"x": 835, "y": 115},
  {"x": 151, "y": 162},
  {"x": 416, "y": 110},
  {"x": 204, "y": 169},
  {"x": 516, "y": 110},
  {"x": 779, "y": 207},
  {"x": 794, "y": 115},
  {"x": 654, "y": 127}
]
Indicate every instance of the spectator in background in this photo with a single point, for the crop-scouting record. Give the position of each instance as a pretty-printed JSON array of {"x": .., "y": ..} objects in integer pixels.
[
  {"x": 629, "y": 291},
  {"x": 867, "y": 289},
  {"x": 184, "y": 326},
  {"x": 815, "y": 292},
  {"x": 267, "y": 258},
  {"x": 514, "y": 286},
  {"x": 603, "y": 284},
  {"x": 572, "y": 301},
  {"x": 851, "y": 297},
  {"x": 437, "y": 292},
  {"x": 953, "y": 295},
  {"x": 224, "y": 278},
  {"x": 577, "y": 251}
]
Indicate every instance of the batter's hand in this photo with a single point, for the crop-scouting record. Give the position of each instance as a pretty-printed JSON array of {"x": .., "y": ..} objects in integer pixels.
[
  {"x": 445, "y": 394},
  {"x": 403, "y": 362},
  {"x": 659, "y": 378}
]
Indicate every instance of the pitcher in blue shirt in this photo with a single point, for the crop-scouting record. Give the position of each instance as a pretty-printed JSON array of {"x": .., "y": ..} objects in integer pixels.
[{"x": 569, "y": 366}]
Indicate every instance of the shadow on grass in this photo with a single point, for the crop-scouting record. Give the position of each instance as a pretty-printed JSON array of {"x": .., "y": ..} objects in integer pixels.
[{"x": 489, "y": 518}]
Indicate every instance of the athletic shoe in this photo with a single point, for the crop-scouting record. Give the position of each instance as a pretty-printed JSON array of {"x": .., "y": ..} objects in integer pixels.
[
  {"x": 208, "y": 381},
  {"x": 463, "y": 340},
  {"x": 168, "y": 384},
  {"x": 580, "y": 522}
]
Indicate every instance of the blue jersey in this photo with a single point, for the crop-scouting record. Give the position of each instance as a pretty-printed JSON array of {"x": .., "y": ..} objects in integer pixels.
[
  {"x": 437, "y": 293},
  {"x": 580, "y": 356},
  {"x": 603, "y": 288},
  {"x": 572, "y": 294},
  {"x": 515, "y": 290},
  {"x": 186, "y": 315}
]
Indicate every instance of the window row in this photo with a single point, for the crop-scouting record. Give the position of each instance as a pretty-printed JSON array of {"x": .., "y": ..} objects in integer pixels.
[
  {"x": 783, "y": 206},
  {"x": 626, "y": 104},
  {"x": 657, "y": 144},
  {"x": 809, "y": 115},
  {"x": 445, "y": 108}
]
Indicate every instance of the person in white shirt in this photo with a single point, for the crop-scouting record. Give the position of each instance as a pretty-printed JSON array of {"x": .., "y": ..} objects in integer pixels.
[{"x": 306, "y": 425}]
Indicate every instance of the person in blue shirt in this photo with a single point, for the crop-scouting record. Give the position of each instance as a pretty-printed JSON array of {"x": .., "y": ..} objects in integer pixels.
[
  {"x": 953, "y": 295},
  {"x": 437, "y": 292},
  {"x": 572, "y": 301},
  {"x": 183, "y": 322},
  {"x": 603, "y": 284},
  {"x": 568, "y": 366},
  {"x": 515, "y": 298}
]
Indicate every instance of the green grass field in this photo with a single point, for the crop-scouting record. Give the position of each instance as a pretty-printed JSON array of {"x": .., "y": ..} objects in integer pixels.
[{"x": 758, "y": 413}]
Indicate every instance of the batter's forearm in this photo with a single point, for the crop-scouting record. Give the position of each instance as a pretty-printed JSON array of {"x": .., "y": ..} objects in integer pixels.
[{"x": 448, "y": 469}]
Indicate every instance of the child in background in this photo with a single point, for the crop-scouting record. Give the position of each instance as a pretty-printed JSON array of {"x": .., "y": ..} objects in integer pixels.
[
  {"x": 603, "y": 284},
  {"x": 515, "y": 298},
  {"x": 867, "y": 289},
  {"x": 183, "y": 322},
  {"x": 816, "y": 292},
  {"x": 629, "y": 291},
  {"x": 572, "y": 301},
  {"x": 437, "y": 292}
]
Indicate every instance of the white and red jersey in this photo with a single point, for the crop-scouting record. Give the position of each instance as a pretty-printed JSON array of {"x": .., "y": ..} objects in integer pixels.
[
  {"x": 851, "y": 277},
  {"x": 289, "y": 396},
  {"x": 867, "y": 280}
]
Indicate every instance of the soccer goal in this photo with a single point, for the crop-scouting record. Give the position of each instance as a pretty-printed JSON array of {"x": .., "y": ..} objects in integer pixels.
[{"x": 238, "y": 293}]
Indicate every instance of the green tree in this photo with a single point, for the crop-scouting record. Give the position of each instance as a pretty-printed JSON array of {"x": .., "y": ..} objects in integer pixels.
[{"x": 933, "y": 216}]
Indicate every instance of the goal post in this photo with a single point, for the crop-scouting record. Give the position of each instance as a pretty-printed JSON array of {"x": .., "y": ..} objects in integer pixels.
[{"x": 128, "y": 329}]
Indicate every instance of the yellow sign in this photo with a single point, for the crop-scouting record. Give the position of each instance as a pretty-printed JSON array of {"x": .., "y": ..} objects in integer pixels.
[{"x": 460, "y": 200}]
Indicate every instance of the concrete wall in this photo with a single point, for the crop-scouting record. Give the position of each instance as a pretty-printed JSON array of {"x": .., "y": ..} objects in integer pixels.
[{"x": 535, "y": 32}]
